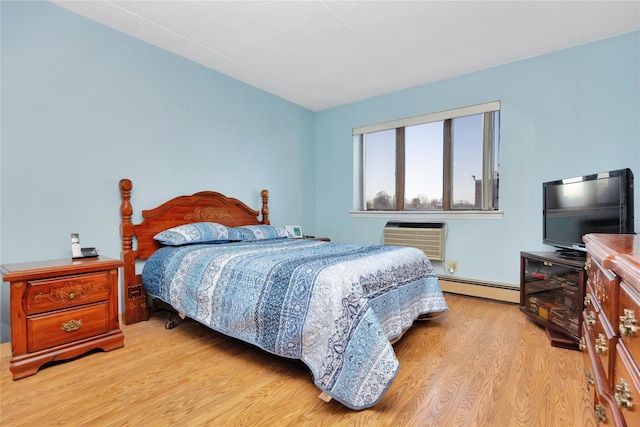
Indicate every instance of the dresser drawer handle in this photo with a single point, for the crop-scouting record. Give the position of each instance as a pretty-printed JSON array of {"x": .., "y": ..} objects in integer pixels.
[
  {"x": 622, "y": 395},
  {"x": 582, "y": 344},
  {"x": 72, "y": 325},
  {"x": 601, "y": 413},
  {"x": 601, "y": 344},
  {"x": 591, "y": 319},
  {"x": 628, "y": 323},
  {"x": 588, "y": 377}
]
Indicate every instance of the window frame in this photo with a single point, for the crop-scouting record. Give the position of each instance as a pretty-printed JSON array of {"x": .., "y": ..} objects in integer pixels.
[{"x": 489, "y": 158}]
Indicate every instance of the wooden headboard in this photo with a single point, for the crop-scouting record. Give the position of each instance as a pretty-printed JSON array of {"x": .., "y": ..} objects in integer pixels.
[{"x": 206, "y": 206}]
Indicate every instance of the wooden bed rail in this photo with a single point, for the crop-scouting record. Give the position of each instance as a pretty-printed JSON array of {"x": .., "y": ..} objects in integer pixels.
[{"x": 203, "y": 206}]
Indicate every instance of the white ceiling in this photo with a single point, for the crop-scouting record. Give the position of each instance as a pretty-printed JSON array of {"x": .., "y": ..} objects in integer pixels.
[{"x": 322, "y": 54}]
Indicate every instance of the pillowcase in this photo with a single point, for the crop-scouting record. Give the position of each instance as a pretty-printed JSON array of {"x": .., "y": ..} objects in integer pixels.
[
  {"x": 250, "y": 233},
  {"x": 198, "y": 232}
]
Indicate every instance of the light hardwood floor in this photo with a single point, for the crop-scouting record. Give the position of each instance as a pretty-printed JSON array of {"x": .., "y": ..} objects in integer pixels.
[{"x": 481, "y": 364}]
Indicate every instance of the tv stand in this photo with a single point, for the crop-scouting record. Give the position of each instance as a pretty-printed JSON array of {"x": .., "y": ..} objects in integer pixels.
[
  {"x": 552, "y": 290},
  {"x": 571, "y": 254}
]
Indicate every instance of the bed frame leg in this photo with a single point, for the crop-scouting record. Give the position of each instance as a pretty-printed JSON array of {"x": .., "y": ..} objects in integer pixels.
[
  {"x": 159, "y": 305},
  {"x": 170, "y": 323}
]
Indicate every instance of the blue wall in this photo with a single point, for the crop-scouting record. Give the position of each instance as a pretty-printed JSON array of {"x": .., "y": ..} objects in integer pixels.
[
  {"x": 84, "y": 106},
  {"x": 569, "y": 113}
]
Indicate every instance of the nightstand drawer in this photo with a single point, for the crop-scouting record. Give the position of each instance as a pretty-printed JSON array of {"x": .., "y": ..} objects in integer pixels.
[
  {"x": 71, "y": 291},
  {"x": 51, "y": 329}
]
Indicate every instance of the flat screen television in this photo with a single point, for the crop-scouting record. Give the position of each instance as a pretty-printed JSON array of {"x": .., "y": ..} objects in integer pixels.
[{"x": 598, "y": 203}]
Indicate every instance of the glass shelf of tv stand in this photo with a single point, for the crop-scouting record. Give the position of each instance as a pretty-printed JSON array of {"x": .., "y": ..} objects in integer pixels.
[{"x": 552, "y": 290}]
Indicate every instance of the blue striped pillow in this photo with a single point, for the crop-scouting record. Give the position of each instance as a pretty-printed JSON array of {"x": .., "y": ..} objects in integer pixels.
[
  {"x": 250, "y": 233},
  {"x": 198, "y": 232}
]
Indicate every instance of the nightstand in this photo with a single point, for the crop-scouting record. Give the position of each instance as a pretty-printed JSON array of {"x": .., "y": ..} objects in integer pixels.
[
  {"x": 322, "y": 239},
  {"x": 61, "y": 309}
]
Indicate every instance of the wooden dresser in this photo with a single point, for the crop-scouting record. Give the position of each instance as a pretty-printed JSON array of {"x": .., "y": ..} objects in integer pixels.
[
  {"x": 611, "y": 327},
  {"x": 61, "y": 309}
]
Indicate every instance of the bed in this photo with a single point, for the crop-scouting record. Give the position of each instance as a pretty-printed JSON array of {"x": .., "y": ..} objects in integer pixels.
[{"x": 337, "y": 307}]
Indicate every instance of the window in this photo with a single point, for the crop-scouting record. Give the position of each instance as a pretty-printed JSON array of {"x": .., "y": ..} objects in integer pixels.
[{"x": 444, "y": 161}]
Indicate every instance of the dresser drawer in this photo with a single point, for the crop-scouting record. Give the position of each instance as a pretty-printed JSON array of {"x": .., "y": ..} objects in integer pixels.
[
  {"x": 600, "y": 337},
  {"x": 61, "y": 327},
  {"x": 604, "y": 341},
  {"x": 626, "y": 387},
  {"x": 603, "y": 286},
  {"x": 70, "y": 291},
  {"x": 592, "y": 373},
  {"x": 629, "y": 320},
  {"x": 591, "y": 302},
  {"x": 599, "y": 389}
]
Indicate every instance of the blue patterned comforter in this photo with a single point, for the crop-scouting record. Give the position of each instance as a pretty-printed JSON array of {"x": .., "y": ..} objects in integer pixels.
[{"x": 334, "y": 306}]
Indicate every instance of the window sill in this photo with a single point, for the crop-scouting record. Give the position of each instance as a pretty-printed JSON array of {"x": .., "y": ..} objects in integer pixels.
[{"x": 428, "y": 214}]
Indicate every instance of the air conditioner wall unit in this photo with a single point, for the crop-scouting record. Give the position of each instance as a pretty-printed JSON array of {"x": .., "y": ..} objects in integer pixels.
[{"x": 429, "y": 237}]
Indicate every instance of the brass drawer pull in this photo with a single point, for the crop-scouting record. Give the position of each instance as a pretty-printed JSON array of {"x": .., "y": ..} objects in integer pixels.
[
  {"x": 601, "y": 413},
  {"x": 72, "y": 325},
  {"x": 591, "y": 319},
  {"x": 628, "y": 323},
  {"x": 588, "y": 377},
  {"x": 601, "y": 344},
  {"x": 582, "y": 344},
  {"x": 587, "y": 300},
  {"x": 622, "y": 395}
]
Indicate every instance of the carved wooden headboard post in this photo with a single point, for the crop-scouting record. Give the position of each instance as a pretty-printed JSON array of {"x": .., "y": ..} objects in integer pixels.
[
  {"x": 265, "y": 207},
  {"x": 126, "y": 210},
  {"x": 134, "y": 295}
]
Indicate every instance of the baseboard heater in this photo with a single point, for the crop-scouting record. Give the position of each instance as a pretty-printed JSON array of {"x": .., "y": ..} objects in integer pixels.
[
  {"x": 480, "y": 289},
  {"x": 429, "y": 237}
]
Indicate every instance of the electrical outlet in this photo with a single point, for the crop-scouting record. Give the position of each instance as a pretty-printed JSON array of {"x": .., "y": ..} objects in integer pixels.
[{"x": 452, "y": 266}]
